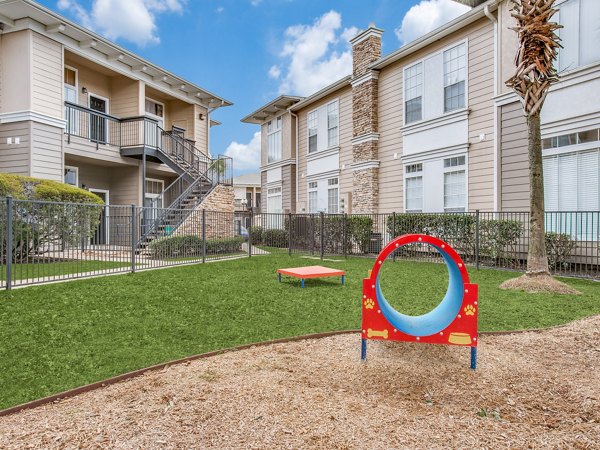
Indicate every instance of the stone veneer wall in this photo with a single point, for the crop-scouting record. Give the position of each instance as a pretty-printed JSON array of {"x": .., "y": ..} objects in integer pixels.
[
  {"x": 364, "y": 54},
  {"x": 366, "y": 191},
  {"x": 365, "y": 108},
  {"x": 219, "y": 206}
]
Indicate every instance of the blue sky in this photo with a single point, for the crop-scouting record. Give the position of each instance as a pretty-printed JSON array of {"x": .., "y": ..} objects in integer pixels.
[{"x": 250, "y": 51}]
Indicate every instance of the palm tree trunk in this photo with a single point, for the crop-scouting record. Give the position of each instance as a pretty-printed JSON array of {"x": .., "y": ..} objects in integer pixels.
[{"x": 537, "y": 260}]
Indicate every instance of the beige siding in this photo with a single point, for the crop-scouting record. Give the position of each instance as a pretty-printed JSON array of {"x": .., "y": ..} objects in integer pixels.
[
  {"x": 46, "y": 152},
  {"x": 263, "y": 188},
  {"x": 345, "y": 110},
  {"x": 200, "y": 132},
  {"x": 16, "y": 86},
  {"x": 125, "y": 186},
  {"x": 514, "y": 179},
  {"x": 263, "y": 145},
  {"x": 15, "y": 158},
  {"x": 95, "y": 82},
  {"x": 125, "y": 98},
  {"x": 47, "y": 76},
  {"x": 481, "y": 120},
  {"x": 508, "y": 45},
  {"x": 288, "y": 178},
  {"x": 481, "y": 117}
]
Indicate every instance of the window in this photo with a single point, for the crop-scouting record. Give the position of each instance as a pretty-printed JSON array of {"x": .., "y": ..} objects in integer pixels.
[
  {"x": 313, "y": 197},
  {"x": 571, "y": 181},
  {"x": 332, "y": 124},
  {"x": 71, "y": 115},
  {"x": 274, "y": 140},
  {"x": 333, "y": 196},
  {"x": 413, "y": 187},
  {"x": 413, "y": 93},
  {"x": 313, "y": 121},
  {"x": 580, "y": 35},
  {"x": 455, "y": 199},
  {"x": 582, "y": 137},
  {"x": 455, "y": 74},
  {"x": 274, "y": 200},
  {"x": 154, "y": 108},
  {"x": 71, "y": 175}
]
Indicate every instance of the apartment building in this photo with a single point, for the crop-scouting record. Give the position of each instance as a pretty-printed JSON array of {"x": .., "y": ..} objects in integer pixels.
[
  {"x": 432, "y": 127},
  {"x": 77, "y": 108}
]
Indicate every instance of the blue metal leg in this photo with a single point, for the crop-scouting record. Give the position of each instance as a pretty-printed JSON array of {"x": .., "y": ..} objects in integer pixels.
[
  {"x": 473, "y": 358},
  {"x": 279, "y": 277},
  {"x": 342, "y": 280},
  {"x": 363, "y": 350},
  {"x": 302, "y": 283}
]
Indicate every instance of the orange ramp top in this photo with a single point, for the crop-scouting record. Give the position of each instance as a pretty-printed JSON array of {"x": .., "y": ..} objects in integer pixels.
[{"x": 311, "y": 272}]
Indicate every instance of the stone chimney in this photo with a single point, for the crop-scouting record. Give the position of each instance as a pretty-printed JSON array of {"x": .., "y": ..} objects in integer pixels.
[{"x": 366, "y": 49}]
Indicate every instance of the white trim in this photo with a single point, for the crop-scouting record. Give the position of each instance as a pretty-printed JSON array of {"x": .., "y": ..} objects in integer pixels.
[
  {"x": 371, "y": 31},
  {"x": 448, "y": 118},
  {"x": 571, "y": 149},
  {"x": 270, "y": 133},
  {"x": 370, "y": 75},
  {"x": 364, "y": 165},
  {"x": 322, "y": 175},
  {"x": 405, "y": 177},
  {"x": 76, "y": 170},
  {"x": 464, "y": 41},
  {"x": 323, "y": 153},
  {"x": 23, "y": 116},
  {"x": 369, "y": 137},
  {"x": 323, "y": 108},
  {"x": 571, "y": 125},
  {"x": 276, "y": 164},
  {"x": 443, "y": 153}
]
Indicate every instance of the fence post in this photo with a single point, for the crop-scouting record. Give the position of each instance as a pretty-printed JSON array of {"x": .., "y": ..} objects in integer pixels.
[
  {"x": 250, "y": 233},
  {"x": 290, "y": 234},
  {"x": 477, "y": 239},
  {"x": 9, "y": 241},
  {"x": 322, "y": 229},
  {"x": 394, "y": 233},
  {"x": 133, "y": 236},
  {"x": 203, "y": 236},
  {"x": 345, "y": 235}
]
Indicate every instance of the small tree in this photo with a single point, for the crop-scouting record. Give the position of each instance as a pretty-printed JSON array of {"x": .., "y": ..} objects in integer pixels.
[{"x": 535, "y": 73}]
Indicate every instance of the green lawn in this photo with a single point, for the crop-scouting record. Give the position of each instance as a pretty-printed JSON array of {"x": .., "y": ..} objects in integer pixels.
[
  {"x": 60, "y": 336},
  {"x": 54, "y": 269}
]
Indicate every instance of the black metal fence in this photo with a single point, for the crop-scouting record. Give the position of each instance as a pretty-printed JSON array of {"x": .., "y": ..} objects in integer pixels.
[{"x": 45, "y": 241}]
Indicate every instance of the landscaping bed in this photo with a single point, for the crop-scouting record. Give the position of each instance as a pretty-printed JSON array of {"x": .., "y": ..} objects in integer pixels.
[{"x": 531, "y": 390}]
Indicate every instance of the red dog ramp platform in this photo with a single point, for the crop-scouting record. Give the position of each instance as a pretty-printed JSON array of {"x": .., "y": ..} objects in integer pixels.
[{"x": 310, "y": 272}]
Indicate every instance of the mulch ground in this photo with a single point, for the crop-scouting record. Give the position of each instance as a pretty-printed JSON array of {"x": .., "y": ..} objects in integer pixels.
[{"x": 531, "y": 390}]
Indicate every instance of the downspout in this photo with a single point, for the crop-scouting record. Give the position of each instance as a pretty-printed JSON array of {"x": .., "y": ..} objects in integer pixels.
[
  {"x": 494, "y": 20},
  {"x": 296, "y": 149}
]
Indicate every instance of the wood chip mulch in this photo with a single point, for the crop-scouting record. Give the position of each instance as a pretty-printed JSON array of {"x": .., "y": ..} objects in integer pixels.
[{"x": 531, "y": 390}]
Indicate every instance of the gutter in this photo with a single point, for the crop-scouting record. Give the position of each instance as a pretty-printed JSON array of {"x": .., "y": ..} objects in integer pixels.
[{"x": 297, "y": 141}]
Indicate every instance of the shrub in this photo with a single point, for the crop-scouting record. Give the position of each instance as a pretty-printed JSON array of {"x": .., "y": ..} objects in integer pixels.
[
  {"x": 498, "y": 238},
  {"x": 275, "y": 238},
  {"x": 256, "y": 234},
  {"x": 559, "y": 248},
  {"x": 360, "y": 229},
  {"x": 191, "y": 246},
  {"x": 39, "y": 226}
]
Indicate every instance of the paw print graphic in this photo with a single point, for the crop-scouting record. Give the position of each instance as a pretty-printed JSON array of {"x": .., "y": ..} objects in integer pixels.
[
  {"x": 469, "y": 310},
  {"x": 369, "y": 303}
]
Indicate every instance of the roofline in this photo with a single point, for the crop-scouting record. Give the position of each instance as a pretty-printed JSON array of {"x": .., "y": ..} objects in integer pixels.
[
  {"x": 118, "y": 49},
  {"x": 437, "y": 34},
  {"x": 322, "y": 93},
  {"x": 250, "y": 117}
]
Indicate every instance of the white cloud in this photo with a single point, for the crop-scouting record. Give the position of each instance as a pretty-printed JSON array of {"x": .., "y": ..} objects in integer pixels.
[
  {"x": 314, "y": 55},
  {"x": 246, "y": 157},
  {"x": 275, "y": 72},
  {"x": 427, "y": 16},
  {"x": 131, "y": 20}
]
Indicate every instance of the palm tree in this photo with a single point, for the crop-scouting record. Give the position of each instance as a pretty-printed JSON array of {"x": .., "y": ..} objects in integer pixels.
[{"x": 535, "y": 73}]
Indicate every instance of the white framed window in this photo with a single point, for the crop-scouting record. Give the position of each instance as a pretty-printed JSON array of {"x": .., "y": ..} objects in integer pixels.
[
  {"x": 580, "y": 35},
  {"x": 313, "y": 197},
  {"x": 581, "y": 137},
  {"x": 274, "y": 200},
  {"x": 274, "y": 139},
  {"x": 455, "y": 75},
  {"x": 333, "y": 196},
  {"x": 71, "y": 175},
  {"x": 154, "y": 108},
  {"x": 332, "y": 124},
  {"x": 313, "y": 131},
  {"x": 413, "y": 188},
  {"x": 413, "y": 93},
  {"x": 455, "y": 186}
]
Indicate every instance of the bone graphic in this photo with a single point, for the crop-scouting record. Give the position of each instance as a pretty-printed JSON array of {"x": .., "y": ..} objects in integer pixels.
[{"x": 374, "y": 333}]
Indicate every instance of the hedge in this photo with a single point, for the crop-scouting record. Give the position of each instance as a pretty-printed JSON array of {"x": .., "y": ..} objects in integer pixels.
[
  {"x": 191, "y": 245},
  {"x": 38, "y": 227},
  {"x": 559, "y": 248}
]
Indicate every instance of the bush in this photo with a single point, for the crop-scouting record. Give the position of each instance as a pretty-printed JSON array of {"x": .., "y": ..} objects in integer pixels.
[
  {"x": 275, "y": 238},
  {"x": 360, "y": 229},
  {"x": 39, "y": 226},
  {"x": 559, "y": 248},
  {"x": 498, "y": 238},
  {"x": 256, "y": 234},
  {"x": 191, "y": 246}
]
